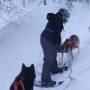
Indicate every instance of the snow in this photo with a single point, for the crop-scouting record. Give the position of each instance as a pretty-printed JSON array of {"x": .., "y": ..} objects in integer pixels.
[{"x": 19, "y": 42}]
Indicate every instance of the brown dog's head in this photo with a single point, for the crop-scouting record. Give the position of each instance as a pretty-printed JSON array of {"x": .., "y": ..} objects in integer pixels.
[
  {"x": 70, "y": 43},
  {"x": 75, "y": 41}
]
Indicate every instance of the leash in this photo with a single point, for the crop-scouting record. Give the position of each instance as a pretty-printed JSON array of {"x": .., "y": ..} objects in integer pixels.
[
  {"x": 71, "y": 78},
  {"x": 60, "y": 63},
  {"x": 19, "y": 83}
]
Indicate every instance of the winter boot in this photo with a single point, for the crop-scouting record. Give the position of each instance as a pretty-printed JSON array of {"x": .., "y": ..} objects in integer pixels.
[
  {"x": 65, "y": 68},
  {"x": 49, "y": 83}
]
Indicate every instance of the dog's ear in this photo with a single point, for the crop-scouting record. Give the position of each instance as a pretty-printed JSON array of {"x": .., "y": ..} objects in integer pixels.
[
  {"x": 23, "y": 66},
  {"x": 32, "y": 67}
]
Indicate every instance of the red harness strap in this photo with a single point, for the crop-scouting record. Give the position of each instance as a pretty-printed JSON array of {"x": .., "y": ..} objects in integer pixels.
[
  {"x": 22, "y": 84},
  {"x": 15, "y": 87},
  {"x": 19, "y": 83}
]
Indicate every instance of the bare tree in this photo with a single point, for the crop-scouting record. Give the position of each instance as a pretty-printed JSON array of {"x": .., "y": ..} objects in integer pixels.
[
  {"x": 88, "y": 1},
  {"x": 24, "y": 3},
  {"x": 69, "y": 3},
  {"x": 54, "y": 1},
  {"x": 5, "y": 7},
  {"x": 45, "y": 2},
  {"x": 6, "y": 0}
]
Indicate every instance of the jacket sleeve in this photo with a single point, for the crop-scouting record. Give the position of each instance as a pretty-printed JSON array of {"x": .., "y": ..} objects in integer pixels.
[{"x": 58, "y": 41}]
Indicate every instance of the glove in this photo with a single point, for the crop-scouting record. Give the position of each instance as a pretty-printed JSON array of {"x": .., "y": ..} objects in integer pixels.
[{"x": 58, "y": 47}]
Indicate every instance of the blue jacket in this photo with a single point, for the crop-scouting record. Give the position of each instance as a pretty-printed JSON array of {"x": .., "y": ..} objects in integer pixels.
[{"x": 52, "y": 32}]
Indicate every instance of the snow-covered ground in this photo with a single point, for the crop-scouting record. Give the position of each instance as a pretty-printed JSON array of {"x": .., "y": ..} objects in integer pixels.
[{"x": 19, "y": 42}]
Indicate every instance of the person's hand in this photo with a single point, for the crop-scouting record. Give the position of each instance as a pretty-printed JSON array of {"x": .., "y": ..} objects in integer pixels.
[{"x": 58, "y": 47}]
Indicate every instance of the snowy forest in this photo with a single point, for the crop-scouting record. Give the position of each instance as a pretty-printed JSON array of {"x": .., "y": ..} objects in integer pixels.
[{"x": 11, "y": 9}]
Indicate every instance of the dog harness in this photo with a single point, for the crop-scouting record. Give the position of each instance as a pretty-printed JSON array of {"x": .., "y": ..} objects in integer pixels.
[{"x": 19, "y": 83}]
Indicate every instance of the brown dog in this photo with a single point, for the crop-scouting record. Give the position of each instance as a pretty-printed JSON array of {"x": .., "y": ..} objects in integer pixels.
[{"x": 68, "y": 45}]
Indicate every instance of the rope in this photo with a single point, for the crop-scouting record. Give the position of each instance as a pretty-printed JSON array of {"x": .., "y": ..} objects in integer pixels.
[
  {"x": 59, "y": 62},
  {"x": 70, "y": 79}
]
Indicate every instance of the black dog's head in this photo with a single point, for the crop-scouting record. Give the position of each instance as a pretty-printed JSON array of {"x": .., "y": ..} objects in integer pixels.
[
  {"x": 27, "y": 75},
  {"x": 27, "y": 72}
]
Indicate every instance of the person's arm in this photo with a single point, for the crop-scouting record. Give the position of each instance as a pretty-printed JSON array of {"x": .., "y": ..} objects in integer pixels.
[{"x": 58, "y": 39}]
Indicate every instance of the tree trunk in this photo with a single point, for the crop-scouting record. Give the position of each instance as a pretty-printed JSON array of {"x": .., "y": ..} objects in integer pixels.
[
  {"x": 45, "y": 3},
  {"x": 24, "y": 3}
]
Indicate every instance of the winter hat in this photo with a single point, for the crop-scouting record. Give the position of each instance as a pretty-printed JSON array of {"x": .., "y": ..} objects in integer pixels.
[{"x": 64, "y": 14}]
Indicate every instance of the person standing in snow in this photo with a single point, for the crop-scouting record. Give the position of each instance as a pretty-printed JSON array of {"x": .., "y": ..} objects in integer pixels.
[{"x": 51, "y": 40}]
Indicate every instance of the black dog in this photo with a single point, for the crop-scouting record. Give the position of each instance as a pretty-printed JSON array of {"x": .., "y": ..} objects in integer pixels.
[{"x": 25, "y": 80}]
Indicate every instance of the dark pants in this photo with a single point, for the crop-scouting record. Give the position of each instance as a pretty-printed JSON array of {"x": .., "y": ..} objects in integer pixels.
[{"x": 50, "y": 62}]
